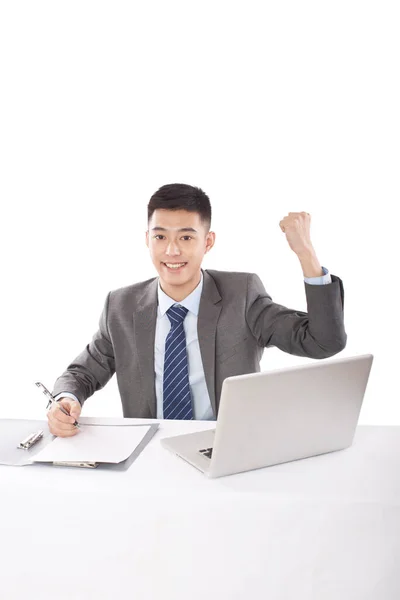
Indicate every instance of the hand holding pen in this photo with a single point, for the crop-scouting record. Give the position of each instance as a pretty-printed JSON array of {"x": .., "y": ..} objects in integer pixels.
[{"x": 63, "y": 414}]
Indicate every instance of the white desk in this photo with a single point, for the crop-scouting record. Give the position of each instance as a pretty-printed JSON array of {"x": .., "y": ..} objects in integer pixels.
[{"x": 324, "y": 528}]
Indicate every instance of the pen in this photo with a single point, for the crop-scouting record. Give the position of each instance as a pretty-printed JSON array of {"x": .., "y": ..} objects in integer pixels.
[{"x": 51, "y": 399}]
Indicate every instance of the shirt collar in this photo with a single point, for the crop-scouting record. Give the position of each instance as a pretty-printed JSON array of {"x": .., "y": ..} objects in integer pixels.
[{"x": 191, "y": 302}]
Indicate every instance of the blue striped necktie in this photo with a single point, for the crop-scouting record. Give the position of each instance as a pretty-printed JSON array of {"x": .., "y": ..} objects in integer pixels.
[{"x": 177, "y": 401}]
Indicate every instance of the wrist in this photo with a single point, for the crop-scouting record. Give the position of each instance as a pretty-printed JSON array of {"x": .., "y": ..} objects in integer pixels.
[{"x": 310, "y": 264}]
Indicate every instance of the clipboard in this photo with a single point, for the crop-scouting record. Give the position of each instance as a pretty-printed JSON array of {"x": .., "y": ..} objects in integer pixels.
[{"x": 13, "y": 432}]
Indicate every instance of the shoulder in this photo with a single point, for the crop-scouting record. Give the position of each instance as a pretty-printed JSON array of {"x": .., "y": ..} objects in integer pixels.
[
  {"x": 134, "y": 292},
  {"x": 235, "y": 281}
]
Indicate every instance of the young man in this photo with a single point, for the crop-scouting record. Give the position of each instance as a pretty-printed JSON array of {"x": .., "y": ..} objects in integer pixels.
[{"x": 173, "y": 339}]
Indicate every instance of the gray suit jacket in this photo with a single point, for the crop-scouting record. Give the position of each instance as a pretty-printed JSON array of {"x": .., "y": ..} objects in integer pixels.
[{"x": 237, "y": 320}]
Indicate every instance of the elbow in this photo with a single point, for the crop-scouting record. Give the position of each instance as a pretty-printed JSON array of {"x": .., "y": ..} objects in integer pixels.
[{"x": 334, "y": 347}]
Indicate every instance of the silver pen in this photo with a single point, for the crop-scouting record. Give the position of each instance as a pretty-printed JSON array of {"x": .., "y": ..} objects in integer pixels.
[{"x": 51, "y": 399}]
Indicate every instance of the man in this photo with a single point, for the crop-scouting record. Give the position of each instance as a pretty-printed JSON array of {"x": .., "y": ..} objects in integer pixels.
[{"x": 173, "y": 339}]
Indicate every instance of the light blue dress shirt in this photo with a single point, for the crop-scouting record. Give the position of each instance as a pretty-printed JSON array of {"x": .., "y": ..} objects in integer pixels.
[
  {"x": 202, "y": 409},
  {"x": 201, "y": 402}
]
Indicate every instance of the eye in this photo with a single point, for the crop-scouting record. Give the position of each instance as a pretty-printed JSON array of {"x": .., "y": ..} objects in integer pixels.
[
  {"x": 158, "y": 236},
  {"x": 187, "y": 237}
]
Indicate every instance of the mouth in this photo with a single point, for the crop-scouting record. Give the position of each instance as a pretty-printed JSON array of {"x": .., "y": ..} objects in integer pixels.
[{"x": 174, "y": 267}]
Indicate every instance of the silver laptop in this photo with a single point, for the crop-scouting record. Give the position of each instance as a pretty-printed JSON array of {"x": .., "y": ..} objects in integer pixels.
[{"x": 279, "y": 416}]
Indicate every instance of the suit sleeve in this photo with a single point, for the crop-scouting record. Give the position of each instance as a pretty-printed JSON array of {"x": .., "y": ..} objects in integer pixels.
[
  {"x": 93, "y": 368},
  {"x": 318, "y": 333}
]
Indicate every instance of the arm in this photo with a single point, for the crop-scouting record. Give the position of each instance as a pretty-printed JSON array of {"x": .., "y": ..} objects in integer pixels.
[
  {"x": 317, "y": 333},
  {"x": 93, "y": 368}
]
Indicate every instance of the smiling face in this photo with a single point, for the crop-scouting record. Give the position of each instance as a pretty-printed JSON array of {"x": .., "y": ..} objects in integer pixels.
[{"x": 178, "y": 241}]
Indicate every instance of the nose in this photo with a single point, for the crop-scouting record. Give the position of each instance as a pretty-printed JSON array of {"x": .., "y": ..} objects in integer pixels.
[{"x": 172, "y": 249}]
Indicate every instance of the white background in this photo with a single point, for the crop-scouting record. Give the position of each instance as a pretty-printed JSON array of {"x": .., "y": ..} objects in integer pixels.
[{"x": 270, "y": 107}]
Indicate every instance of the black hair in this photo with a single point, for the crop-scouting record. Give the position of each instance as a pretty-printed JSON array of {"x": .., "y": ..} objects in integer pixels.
[{"x": 180, "y": 196}]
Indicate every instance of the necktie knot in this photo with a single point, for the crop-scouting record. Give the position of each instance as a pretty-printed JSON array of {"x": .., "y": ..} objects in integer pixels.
[{"x": 176, "y": 315}]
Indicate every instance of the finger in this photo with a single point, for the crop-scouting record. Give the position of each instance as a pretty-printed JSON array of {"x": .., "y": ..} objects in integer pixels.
[
  {"x": 72, "y": 406},
  {"x": 66, "y": 404},
  {"x": 58, "y": 415},
  {"x": 56, "y": 425},
  {"x": 70, "y": 418},
  {"x": 75, "y": 411},
  {"x": 59, "y": 425},
  {"x": 62, "y": 433},
  {"x": 53, "y": 418},
  {"x": 73, "y": 432}
]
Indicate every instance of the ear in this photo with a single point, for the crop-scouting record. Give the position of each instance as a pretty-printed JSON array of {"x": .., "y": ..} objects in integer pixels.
[
  {"x": 210, "y": 240},
  {"x": 147, "y": 238}
]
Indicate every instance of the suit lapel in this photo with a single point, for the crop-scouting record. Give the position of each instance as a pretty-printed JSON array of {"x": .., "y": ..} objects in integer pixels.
[
  {"x": 144, "y": 323},
  {"x": 209, "y": 310}
]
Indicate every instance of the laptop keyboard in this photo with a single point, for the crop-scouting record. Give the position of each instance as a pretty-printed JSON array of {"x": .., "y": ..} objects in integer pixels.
[{"x": 207, "y": 452}]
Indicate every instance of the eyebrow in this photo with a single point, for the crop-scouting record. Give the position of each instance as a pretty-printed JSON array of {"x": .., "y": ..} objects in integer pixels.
[{"x": 181, "y": 229}]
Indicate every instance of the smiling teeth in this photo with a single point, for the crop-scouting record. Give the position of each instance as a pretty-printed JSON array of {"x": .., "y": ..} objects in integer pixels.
[{"x": 175, "y": 266}]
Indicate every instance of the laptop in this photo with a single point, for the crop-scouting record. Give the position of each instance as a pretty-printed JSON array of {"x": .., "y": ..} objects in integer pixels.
[{"x": 279, "y": 416}]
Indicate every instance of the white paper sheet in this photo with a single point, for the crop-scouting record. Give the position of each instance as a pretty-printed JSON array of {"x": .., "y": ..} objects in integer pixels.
[{"x": 108, "y": 444}]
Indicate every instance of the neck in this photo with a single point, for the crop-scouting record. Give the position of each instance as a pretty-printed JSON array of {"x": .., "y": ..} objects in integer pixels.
[{"x": 180, "y": 292}]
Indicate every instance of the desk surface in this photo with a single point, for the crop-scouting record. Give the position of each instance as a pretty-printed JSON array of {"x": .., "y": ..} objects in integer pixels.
[{"x": 324, "y": 527}]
